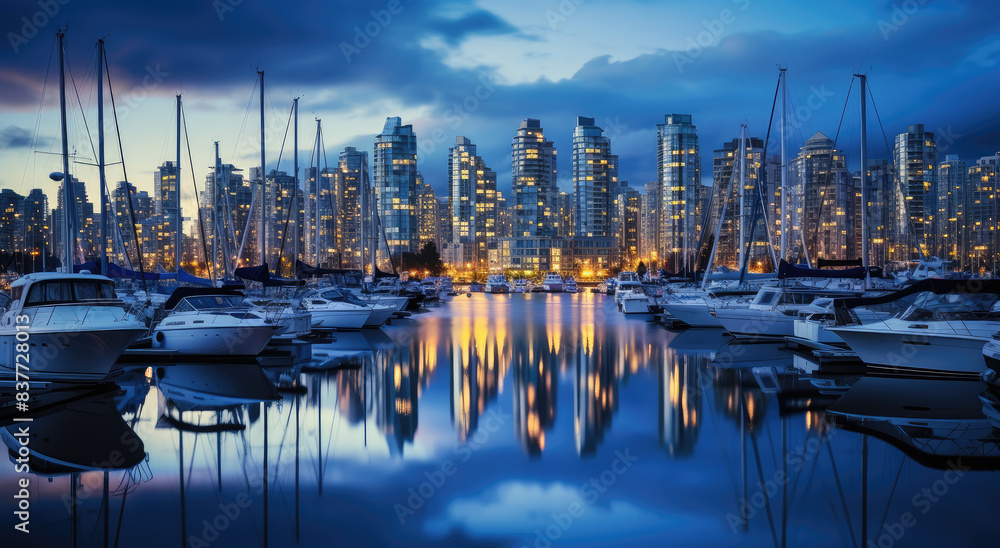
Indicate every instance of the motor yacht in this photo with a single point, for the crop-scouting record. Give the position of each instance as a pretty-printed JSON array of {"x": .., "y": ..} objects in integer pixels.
[
  {"x": 569, "y": 285},
  {"x": 333, "y": 308},
  {"x": 630, "y": 296},
  {"x": 553, "y": 283},
  {"x": 944, "y": 330},
  {"x": 496, "y": 283},
  {"x": 212, "y": 322},
  {"x": 74, "y": 326}
]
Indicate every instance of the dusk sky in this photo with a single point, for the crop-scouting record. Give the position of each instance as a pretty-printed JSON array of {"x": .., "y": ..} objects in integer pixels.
[{"x": 478, "y": 68}]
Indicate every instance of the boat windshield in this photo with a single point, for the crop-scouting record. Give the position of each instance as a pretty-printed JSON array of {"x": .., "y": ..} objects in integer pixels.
[
  {"x": 952, "y": 306},
  {"x": 208, "y": 302},
  {"x": 67, "y": 291}
]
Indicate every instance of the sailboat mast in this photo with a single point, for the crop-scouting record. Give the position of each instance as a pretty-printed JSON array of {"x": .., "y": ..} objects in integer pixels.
[
  {"x": 785, "y": 225},
  {"x": 263, "y": 178},
  {"x": 69, "y": 201},
  {"x": 215, "y": 212},
  {"x": 317, "y": 179},
  {"x": 295, "y": 178},
  {"x": 100, "y": 157},
  {"x": 864, "y": 172},
  {"x": 178, "y": 239},
  {"x": 743, "y": 190}
]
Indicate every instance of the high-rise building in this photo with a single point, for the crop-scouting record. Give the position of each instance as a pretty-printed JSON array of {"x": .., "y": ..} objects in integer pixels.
[
  {"x": 828, "y": 196},
  {"x": 83, "y": 220},
  {"x": 427, "y": 212},
  {"x": 595, "y": 181},
  {"x": 352, "y": 181},
  {"x": 915, "y": 159},
  {"x": 395, "y": 175},
  {"x": 11, "y": 222},
  {"x": 738, "y": 225},
  {"x": 281, "y": 218},
  {"x": 128, "y": 233},
  {"x": 630, "y": 231},
  {"x": 885, "y": 210},
  {"x": 678, "y": 210},
  {"x": 322, "y": 240},
  {"x": 982, "y": 217},
  {"x": 167, "y": 201},
  {"x": 953, "y": 181},
  {"x": 650, "y": 224},
  {"x": 225, "y": 210},
  {"x": 472, "y": 195},
  {"x": 533, "y": 163},
  {"x": 36, "y": 223}
]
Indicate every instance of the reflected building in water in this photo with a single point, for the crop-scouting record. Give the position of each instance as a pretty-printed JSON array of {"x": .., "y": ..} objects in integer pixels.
[
  {"x": 595, "y": 394},
  {"x": 535, "y": 373},
  {"x": 479, "y": 360},
  {"x": 681, "y": 388}
]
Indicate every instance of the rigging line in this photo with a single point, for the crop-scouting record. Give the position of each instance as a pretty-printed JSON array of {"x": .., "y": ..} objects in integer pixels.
[
  {"x": 83, "y": 115},
  {"x": 38, "y": 117},
  {"x": 888, "y": 149},
  {"x": 246, "y": 115},
  {"x": 760, "y": 476},
  {"x": 830, "y": 167},
  {"x": 128, "y": 188},
  {"x": 284, "y": 139},
  {"x": 843, "y": 500},
  {"x": 892, "y": 493},
  {"x": 197, "y": 201}
]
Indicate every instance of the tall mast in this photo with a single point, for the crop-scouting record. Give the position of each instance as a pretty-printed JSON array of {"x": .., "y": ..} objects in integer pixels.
[
  {"x": 215, "y": 213},
  {"x": 864, "y": 173},
  {"x": 69, "y": 200},
  {"x": 785, "y": 225},
  {"x": 317, "y": 180},
  {"x": 178, "y": 240},
  {"x": 100, "y": 157},
  {"x": 295, "y": 177},
  {"x": 263, "y": 178},
  {"x": 743, "y": 190}
]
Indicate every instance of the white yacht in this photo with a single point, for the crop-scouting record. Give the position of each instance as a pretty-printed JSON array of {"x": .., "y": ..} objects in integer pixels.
[
  {"x": 630, "y": 296},
  {"x": 73, "y": 324},
  {"x": 212, "y": 322},
  {"x": 496, "y": 283},
  {"x": 553, "y": 283},
  {"x": 292, "y": 319},
  {"x": 773, "y": 312},
  {"x": 569, "y": 285},
  {"x": 521, "y": 286},
  {"x": 944, "y": 330},
  {"x": 332, "y": 308}
]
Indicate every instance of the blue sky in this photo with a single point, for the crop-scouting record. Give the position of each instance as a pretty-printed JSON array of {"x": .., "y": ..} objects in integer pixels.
[{"x": 478, "y": 68}]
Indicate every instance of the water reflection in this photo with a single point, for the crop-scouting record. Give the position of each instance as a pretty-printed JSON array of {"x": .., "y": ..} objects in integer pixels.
[{"x": 536, "y": 396}]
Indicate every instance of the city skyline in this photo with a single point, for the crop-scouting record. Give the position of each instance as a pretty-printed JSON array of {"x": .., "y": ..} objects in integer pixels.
[{"x": 456, "y": 84}]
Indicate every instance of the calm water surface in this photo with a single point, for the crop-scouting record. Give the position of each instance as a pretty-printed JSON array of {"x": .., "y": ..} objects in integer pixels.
[{"x": 523, "y": 420}]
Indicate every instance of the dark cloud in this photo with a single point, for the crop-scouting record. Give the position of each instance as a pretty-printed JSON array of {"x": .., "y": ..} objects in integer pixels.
[
  {"x": 19, "y": 137},
  {"x": 935, "y": 66}
]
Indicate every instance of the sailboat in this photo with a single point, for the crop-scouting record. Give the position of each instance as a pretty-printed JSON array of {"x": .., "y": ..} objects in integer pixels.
[{"x": 71, "y": 326}]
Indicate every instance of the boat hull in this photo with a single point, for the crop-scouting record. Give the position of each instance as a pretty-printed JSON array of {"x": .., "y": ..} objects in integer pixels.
[
  {"x": 339, "y": 319},
  {"x": 635, "y": 306},
  {"x": 747, "y": 322},
  {"x": 379, "y": 315},
  {"x": 925, "y": 352},
  {"x": 693, "y": 314},
  {"x": 69, "y": 356},
  {"x": 243, "y": 340}
]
